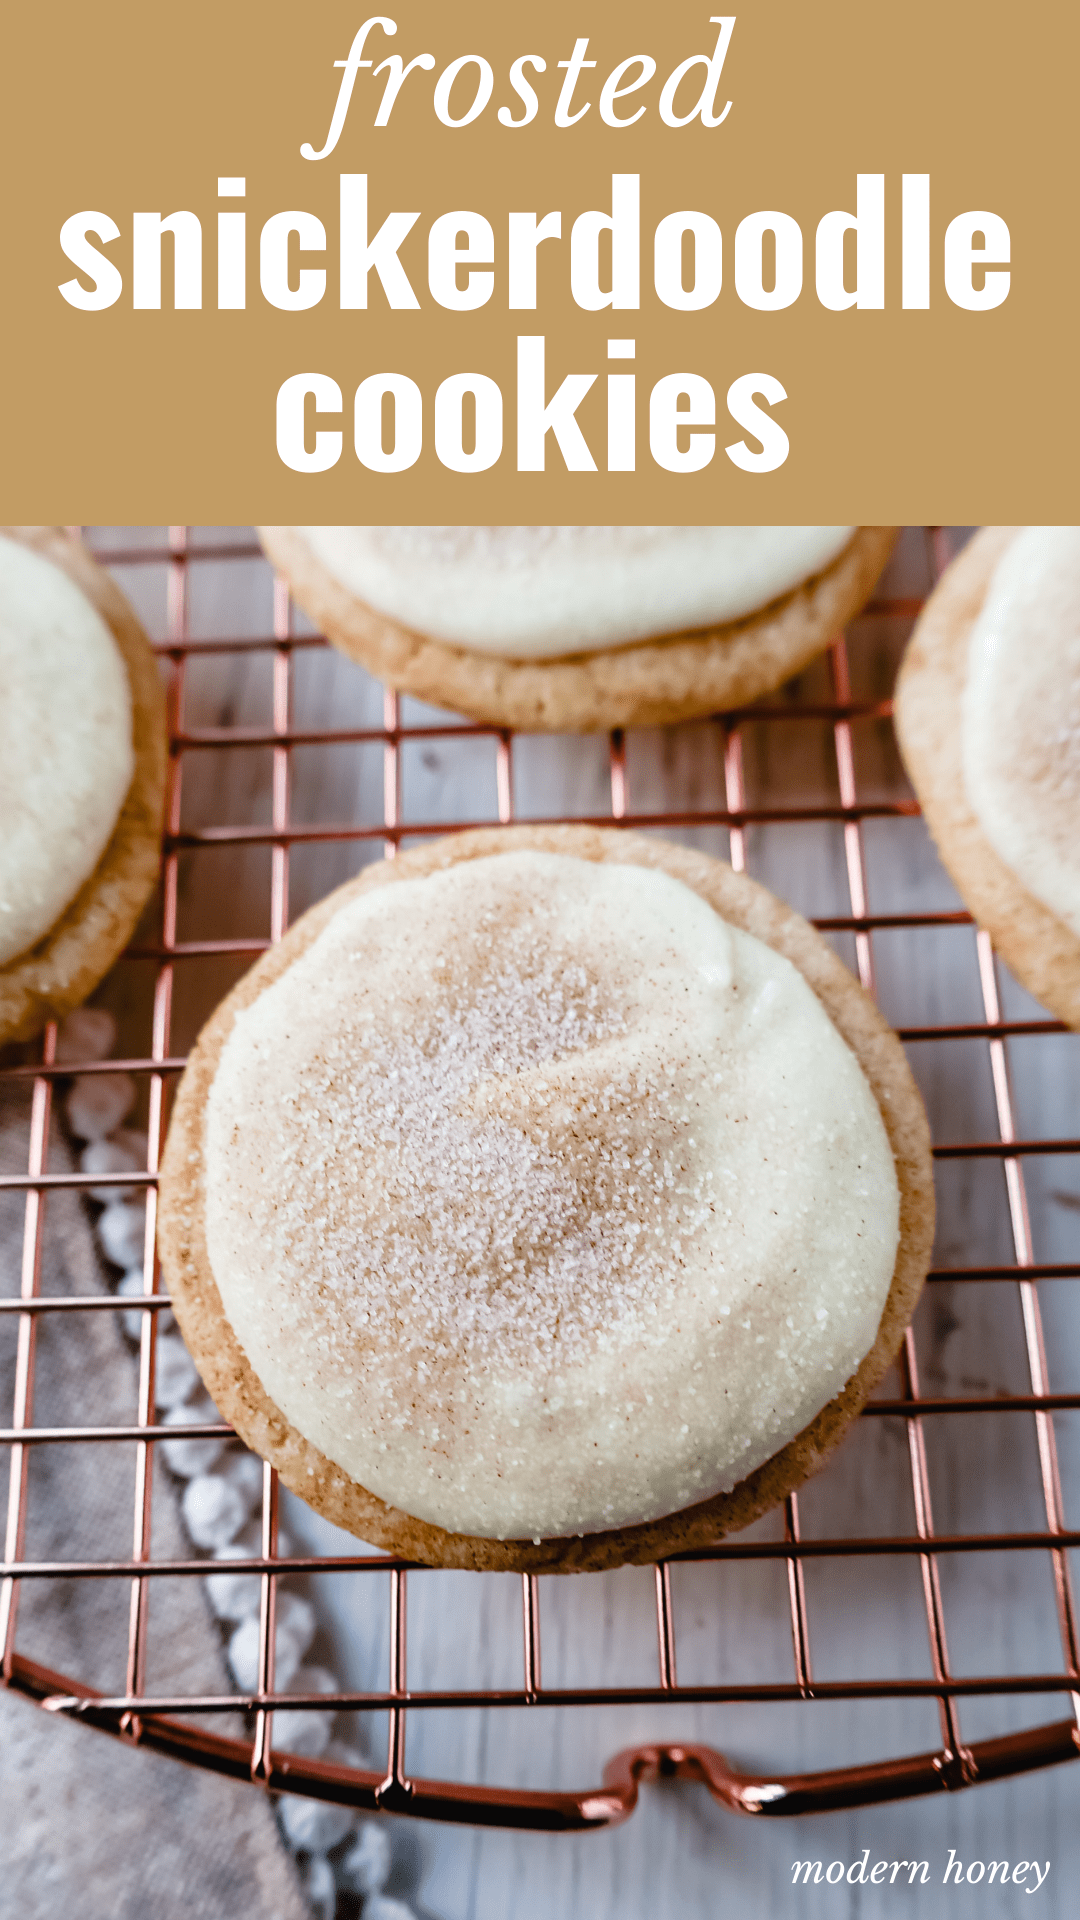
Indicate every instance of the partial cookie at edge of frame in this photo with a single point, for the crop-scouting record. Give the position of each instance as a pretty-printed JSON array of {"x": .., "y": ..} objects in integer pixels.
[
  {"x": 649, "y": 683},
  {"x": 235, "y": 1387},
  {"x": 1041, "y": 950},
  {"x": 65, "y": 965}
]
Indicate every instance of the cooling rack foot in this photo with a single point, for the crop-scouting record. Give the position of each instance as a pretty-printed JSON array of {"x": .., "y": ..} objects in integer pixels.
[{"x": 901, "y": 1779}]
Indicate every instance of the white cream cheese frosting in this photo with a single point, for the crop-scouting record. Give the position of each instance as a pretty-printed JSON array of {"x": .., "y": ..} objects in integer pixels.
[
  {"x": 1021, "y": 715},
  {"x": 542, "y": 1200},
  {"x": 534, "y": 593},
  {"x": 66, "y": 753}
]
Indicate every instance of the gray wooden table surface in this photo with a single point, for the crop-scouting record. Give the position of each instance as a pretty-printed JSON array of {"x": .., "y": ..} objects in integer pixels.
[{"x": 681, "y": 1854}]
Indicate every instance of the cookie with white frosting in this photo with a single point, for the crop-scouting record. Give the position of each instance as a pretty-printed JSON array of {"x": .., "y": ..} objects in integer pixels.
[
  {"x": 575, "y": 629},
  {"x": 548, "y": 1198},
  {"x": 82, "y": 775},
  {"x": 988, "y": 717}
]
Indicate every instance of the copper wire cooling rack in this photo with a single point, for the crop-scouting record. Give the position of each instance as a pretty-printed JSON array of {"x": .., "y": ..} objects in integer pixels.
[{"x": 870, "y": 840}]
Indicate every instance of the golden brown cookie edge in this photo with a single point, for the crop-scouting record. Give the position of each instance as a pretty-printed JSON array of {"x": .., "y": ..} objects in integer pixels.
[
  {"x": 1040, "y": 949},
  {"x": 650, "y": 683},
  {"x": 66, "y": 964}
]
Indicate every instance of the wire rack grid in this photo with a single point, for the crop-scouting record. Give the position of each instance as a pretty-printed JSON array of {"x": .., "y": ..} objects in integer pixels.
[{"x": 728, "y": 810}]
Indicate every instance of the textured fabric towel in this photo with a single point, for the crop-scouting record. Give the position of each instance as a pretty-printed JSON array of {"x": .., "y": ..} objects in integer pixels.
[{"x": 91, "y": 1826}]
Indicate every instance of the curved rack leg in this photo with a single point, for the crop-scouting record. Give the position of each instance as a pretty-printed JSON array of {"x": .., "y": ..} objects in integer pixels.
[
  {"x": 901, "y": 1779},
  {"x": 614, "y": 1801}
]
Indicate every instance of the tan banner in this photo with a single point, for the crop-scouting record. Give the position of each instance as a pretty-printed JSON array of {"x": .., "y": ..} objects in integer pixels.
[{"x": 581, "y": 263}]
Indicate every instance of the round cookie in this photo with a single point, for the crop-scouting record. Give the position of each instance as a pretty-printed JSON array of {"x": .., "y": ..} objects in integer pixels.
[
  {"x": 62, "y": 966},
  {"x": 1041, "y": 950},
  {"x": 242, "y": 1398},
  {"x": 647, "y": 683}
]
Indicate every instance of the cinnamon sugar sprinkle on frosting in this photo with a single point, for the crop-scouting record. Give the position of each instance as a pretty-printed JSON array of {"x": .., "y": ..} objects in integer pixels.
[{"x": 542, "y": 1200}]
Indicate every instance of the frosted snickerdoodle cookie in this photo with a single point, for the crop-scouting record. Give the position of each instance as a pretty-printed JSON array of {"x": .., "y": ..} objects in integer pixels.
[
  {"x": 82, "y": 775},
  {"x": 988, "y": 716},
  {"x": 574, "y": 629},
  {"x": 548, "y": 1199}
]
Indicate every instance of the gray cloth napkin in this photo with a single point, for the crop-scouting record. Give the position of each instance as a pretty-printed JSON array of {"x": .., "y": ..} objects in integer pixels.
[{"x": 90, "y": 1825}]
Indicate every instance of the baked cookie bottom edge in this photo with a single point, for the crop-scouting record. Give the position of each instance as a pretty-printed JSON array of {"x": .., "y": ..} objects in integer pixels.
[
  {"x": 650, "y": 683},
  {"x": 1042, "y": 952},
  {"x": 49, "y": 979}
]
